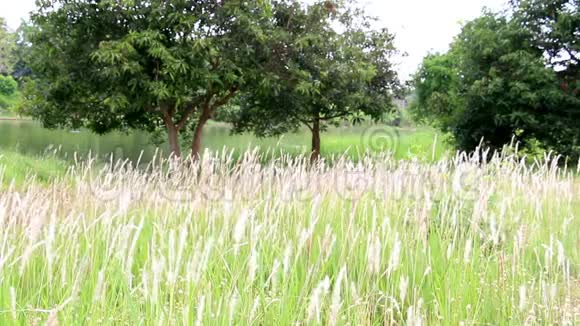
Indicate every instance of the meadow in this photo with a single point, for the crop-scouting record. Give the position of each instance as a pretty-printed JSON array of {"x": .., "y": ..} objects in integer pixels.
[{"x": 229, "y": 241}]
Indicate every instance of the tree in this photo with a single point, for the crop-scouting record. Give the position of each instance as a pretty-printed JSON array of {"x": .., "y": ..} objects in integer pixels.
[
  {"x": 494, "y": 84},
  {"x": 7, "y": 46},
  {"x": 22, "y": 51},
  {"x": 143, "y": 64},
  {"x": 555, "y": 28},
  {"x": 326, "y": 65},
  {"x": 437, "y": 90}
]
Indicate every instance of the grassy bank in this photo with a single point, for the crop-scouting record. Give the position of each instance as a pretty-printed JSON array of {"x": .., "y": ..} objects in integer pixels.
[
  {"x": 384, "y": 242},
  {"x": 20, "y": 168}
]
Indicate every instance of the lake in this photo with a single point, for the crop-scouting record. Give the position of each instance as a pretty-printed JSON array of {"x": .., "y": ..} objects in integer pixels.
[{"x": 29, "y": 137}]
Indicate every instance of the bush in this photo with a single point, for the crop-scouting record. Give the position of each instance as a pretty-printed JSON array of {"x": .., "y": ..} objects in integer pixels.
[
  {"x": 8, "y": 85},
  {"x": 495, "y": 86}
]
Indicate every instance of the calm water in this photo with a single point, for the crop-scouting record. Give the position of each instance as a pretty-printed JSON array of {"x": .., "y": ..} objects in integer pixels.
[{"x": 30, "y": 138}]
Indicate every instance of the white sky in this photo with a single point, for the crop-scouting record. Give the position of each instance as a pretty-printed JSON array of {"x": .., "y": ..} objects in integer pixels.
[{"x": 420, "y": 26}]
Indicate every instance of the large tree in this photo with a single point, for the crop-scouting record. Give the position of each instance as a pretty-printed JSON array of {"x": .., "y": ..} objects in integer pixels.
[
  {"x": 496, "y": 83},
  {"x": 142, "y": 64},
  {"x": 326, "y": 65}
]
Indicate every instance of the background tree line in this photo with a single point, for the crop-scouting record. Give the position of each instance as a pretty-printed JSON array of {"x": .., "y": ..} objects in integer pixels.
[{"x": 512, "y": 74}]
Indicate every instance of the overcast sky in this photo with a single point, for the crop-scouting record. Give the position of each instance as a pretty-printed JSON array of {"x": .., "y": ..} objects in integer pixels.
[{"x": 420, "y": 26}]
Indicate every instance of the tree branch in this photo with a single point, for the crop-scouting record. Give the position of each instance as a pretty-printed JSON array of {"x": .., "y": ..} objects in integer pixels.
[
  {"x": 152, "y": 109},
  {"x": 306, "y": 123},
  {"x": 188, "y": 112},
  {"x": 572, "y": 55},
  {"x": 303, "y": 121},
  {"x": 231, "y": 93},
  {"x": 340, "y": 115}
]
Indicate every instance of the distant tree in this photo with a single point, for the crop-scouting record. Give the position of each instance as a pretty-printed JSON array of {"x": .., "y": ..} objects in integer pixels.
[
  {"x": 496, "y": 83},
  {"x": 7, "y": 85},
  {"x": 326, "y": 65},
  {"x": 151, "y": 64},
  {"x": 21, "y": 51},
  {"x": 7, "y": 46},
  {"x": 437, "y": 90}
]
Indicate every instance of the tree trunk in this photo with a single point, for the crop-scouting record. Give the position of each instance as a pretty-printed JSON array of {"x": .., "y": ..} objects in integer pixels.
[
  {"x": 173, "y": 134},
  {"x": 197, "y": 135},
  {"x": 315, "y": 154}
]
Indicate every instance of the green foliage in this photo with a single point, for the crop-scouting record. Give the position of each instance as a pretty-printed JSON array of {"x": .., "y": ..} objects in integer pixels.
[
  {"x": 437, "y": 90},
  {"x": 160, "y": 65},
  {"x": 497, "y": 84},
  {"x": 174, "y": 66},
  {"x": 555, "y": 29},
  {"x": 22, "y": 51},
  {"x": 9, "y": 94},
  {"x": 8, "y": 85},
  {"x": 316, "y": 75},
  {"x": 7, "y": 46}
]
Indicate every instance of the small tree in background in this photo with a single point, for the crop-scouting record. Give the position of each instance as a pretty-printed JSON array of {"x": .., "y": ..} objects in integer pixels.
[
  {"x": 8, "y": 85},
  {"x": 7, "y": 47},
  {"x": 326, "y": 65},
  {"x": 20, "y": 69},
  {"x": 155, "y": 64},
  {"x": 437, "y": 93}
]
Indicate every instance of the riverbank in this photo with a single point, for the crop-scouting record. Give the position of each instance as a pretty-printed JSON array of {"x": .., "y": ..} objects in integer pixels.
[{"x": 18, "y": 168}]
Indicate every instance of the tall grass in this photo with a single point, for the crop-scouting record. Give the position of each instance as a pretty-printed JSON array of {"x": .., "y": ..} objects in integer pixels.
[{"x": 227, "y": 242}]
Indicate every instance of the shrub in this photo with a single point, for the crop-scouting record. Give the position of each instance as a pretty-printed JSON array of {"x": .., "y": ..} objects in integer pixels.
[{"x": 8, "y": 85}]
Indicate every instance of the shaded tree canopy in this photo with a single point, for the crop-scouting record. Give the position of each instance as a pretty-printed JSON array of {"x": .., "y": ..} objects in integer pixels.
[
  {"x": 504, "y": 77},
  {"x": 326, "y": 65},
  {"x": 154, "y": 64}
]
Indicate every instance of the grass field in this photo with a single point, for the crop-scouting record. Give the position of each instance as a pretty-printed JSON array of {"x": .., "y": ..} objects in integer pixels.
[
  {"x": 404, "y": 143},
  {"x": 377, "y": 242}
]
